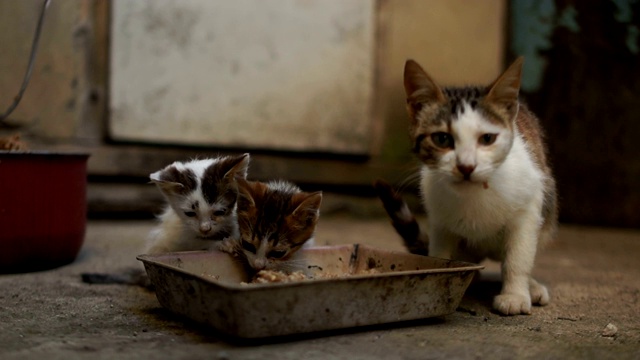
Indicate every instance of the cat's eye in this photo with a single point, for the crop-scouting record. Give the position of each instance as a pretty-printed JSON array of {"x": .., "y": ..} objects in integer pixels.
[
  {"x": 249, "y": 246},
  {"x": 190, "y": 213},
  {"x": 276, "y": 254},
  {"x": 219, "y": 212},
  {"x": 487, "y": 139},
  {"x": 442, "y": 140}
]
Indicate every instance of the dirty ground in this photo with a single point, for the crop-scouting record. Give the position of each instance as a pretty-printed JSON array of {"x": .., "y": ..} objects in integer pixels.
[{"x": 593, "y": 276}]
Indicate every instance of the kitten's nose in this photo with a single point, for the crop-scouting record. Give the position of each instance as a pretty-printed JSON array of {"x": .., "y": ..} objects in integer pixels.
[
  {"x": 466, "y": 170},
  {"x": 205, "y": 227},
  {"x": 259, "y": 264}
]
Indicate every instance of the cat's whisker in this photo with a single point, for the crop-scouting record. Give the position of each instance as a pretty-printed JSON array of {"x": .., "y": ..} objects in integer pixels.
[
  {"x": 291, "y": 266},
  {"x": 408, "y": 177},
  {"x": 411, "y": 181},
  {"x": 295, "y": 261}
]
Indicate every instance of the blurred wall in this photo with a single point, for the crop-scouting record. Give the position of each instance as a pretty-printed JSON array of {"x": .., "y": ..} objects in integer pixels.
[
  {"x": 65, "y": 98},
  {"x": 244, "y": 73},
  {"x": 581, "y": 77}
]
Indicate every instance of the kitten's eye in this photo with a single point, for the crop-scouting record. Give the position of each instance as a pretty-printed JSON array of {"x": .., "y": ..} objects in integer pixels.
[
  {"x": 442, "y": 140},
  {"x": 190, "y": 213},
  {"x": 248, "y": 246},
  {"x": 487, "y": 139},
  {"x": 219, "y": 212},
  {"x": 276, "y": 254}
]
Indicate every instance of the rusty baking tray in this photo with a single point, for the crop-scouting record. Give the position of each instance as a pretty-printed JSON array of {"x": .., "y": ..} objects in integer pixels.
[{"x": 207, "y": 287}]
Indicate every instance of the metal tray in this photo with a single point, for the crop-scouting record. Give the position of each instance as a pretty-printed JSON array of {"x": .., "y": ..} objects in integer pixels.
[{"x": 206, "y": 287}]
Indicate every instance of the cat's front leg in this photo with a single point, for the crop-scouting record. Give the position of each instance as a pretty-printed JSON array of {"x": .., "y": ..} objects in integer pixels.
[
  {"x": 539, "y": 293},
  {"x": 521, "y": 238}
]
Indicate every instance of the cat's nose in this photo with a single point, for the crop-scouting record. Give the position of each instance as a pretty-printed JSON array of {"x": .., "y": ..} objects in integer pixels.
[
  {"x": 205, "y": 227},
  {"x": 259, "y": 264},
  {"x": 466, "y": 170}
]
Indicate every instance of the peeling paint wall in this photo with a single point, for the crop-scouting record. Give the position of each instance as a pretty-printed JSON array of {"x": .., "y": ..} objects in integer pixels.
[{"x": 271, "y": 74}]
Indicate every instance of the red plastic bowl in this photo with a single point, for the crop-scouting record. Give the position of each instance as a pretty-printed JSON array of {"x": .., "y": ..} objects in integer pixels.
[{"x": 42, "y": 209}]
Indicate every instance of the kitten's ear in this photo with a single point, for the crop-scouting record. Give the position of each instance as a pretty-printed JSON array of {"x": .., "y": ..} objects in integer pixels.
[
  {"x": 248, "y": 191},
  {"x": 168, "y": 179},
  {"x": 245, "y": 196},
  {"x": 419, "y": 88},
  {"x": 308, "y": 206},
  {"x": 506, "y": 87},
  {"x": 238, "y": 167}
]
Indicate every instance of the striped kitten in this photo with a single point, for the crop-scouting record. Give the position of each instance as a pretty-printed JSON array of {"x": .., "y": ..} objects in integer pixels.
[
  {"x": 201, "y": 209},
  {"x": 485, "y": 181},
  {"x": 276, "y": 219}
]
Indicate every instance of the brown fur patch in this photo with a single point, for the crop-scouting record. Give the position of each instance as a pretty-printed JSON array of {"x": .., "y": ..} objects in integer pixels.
[
  {"x": 431, "y": 119},
  {"x": 498, "y": 114},
  {"x": 219, "y": 178},
  {"x": 529, "y": 127}
]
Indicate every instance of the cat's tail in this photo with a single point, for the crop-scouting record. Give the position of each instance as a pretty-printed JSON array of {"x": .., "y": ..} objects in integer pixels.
[
  {"x": 131, "y": 276},
  {"x": 402, "y": 219}
]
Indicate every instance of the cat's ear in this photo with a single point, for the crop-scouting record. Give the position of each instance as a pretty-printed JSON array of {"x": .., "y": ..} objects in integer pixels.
[
  {"x": 505, "y": 89},
  {"x": 419, "y": 88},
  {"x": 237, "y": 167},
  {"x": 248, "y": 192},
  {"x": 308, "y": 206},
  {"x": 170, "y": 180},
  {"x": 245, "y": 196}
]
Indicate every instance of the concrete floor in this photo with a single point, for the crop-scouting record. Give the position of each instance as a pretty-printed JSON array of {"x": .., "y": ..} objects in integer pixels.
[{"x": 593, "y": 275}]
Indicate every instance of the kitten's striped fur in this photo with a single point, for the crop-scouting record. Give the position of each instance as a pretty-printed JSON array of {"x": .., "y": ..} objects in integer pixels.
[
  {"x": 485, "y": 180},
  {"x": 275, "y": 220}
]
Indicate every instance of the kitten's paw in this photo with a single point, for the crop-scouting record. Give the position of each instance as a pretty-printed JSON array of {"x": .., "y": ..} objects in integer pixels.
[
  {"x": 512, "y": 304},
  {"x": 226, "y": 245},
  {"x": 539, "y": 293}
]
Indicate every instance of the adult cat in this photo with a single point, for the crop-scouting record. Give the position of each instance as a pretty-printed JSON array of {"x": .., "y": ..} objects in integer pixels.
[{"x": 485, "y": 181}]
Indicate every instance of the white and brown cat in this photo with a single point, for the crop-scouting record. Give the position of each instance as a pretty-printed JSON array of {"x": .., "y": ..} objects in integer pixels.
[
  {"x": 201, "y": 204},
  {"x": 485, "y": 180}
]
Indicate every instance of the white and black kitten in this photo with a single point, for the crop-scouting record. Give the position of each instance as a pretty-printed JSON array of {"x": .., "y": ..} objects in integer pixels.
[{"x": 202, "y": 198}]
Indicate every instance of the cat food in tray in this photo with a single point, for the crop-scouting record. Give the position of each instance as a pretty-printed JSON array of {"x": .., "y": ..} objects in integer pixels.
[{"x": 346, "y": 286}]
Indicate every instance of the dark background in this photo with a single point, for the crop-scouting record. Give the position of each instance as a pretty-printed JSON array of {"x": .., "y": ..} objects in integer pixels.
[{"x": 589, "y": 104}]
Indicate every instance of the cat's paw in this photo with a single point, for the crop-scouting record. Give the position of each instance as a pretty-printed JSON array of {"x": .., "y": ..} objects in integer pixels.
[
  {"x": 539, "y": 293},
  {"x": 512, "y": 304},
  {"x": 227, "y": 245}
]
